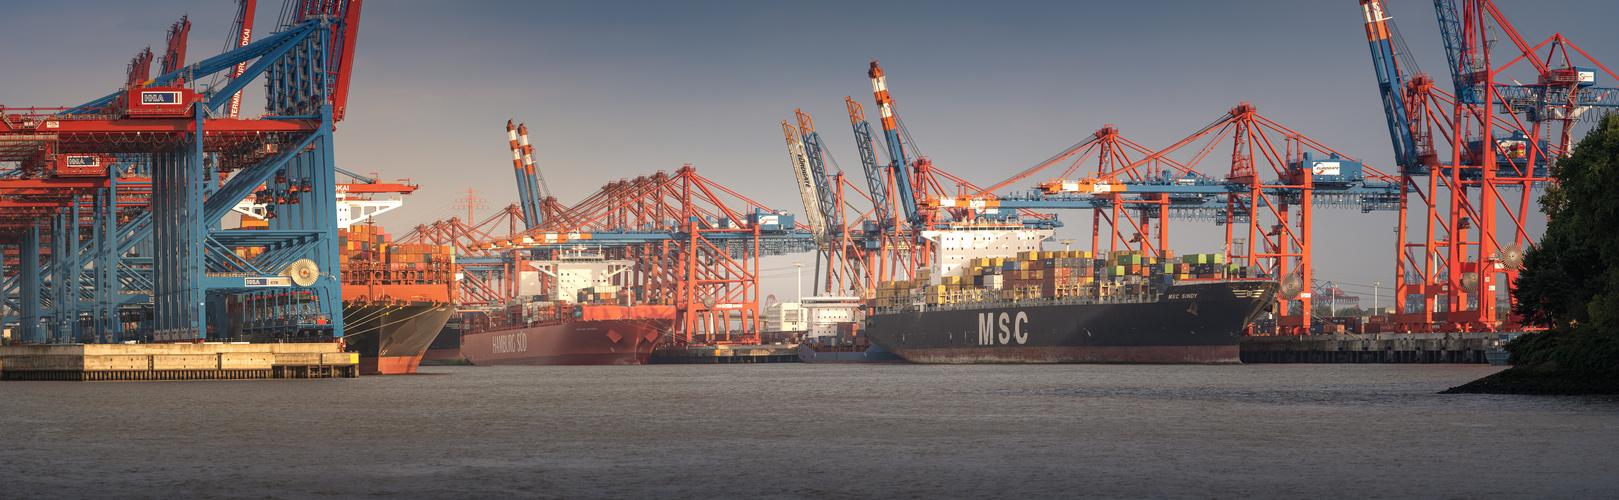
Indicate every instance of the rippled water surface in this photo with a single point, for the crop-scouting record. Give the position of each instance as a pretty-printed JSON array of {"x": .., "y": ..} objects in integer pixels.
[{"x": 793, "y": 430}]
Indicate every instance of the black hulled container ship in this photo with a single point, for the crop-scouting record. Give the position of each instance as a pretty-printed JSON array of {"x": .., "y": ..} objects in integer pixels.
[
  {"x": 991, "y": 296},
  {"x": 396, "y": 298}
]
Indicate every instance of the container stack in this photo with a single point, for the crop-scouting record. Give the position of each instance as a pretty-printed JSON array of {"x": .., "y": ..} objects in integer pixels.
[
  {"x": 1202, "y": 266},
  {"x": 1059, "y": 275},
  {"x": 369, "y": 256},
  {"x": 602, "y": 294},
  {"x": 894, "y": 293}
]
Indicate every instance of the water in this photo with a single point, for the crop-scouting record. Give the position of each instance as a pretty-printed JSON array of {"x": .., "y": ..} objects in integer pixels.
[{"x": 793, "y": 430}]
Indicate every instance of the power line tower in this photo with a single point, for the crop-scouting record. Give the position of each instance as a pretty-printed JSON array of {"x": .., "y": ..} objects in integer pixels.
[{"x": 471, "y": 202}]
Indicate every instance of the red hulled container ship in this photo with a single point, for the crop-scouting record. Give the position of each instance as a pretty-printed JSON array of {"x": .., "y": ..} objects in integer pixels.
[
  {"x": 570, "y": 314},
  {"x": 546, "y": 333}
]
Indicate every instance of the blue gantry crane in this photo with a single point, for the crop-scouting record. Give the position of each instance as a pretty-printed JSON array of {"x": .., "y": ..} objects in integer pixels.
[{"x": 156, "y": 258}]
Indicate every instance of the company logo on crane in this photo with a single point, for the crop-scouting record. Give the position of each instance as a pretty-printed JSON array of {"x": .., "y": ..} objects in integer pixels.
[{"x": 160, "y": 97}]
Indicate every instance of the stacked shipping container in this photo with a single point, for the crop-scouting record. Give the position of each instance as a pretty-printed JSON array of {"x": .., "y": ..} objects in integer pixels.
[
  {"x": 1059, "y": 274},
  {"x": 369, "y": 256}
]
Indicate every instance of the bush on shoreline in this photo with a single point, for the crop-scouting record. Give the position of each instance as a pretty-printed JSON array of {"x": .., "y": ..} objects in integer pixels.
[{"x": 1569, "y": 282}]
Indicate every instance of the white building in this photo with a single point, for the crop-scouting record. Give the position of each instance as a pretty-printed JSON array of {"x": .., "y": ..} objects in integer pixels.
[
  {"x": 954, "y": 249},
  {"x": 786, "y": 317},
  {"x": 815, "y": 316}
]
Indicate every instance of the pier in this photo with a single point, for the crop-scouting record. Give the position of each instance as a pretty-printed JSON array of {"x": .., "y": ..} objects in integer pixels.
[
  {"x": 726, "y": 354},
  {"x": 178, "y": 361},
  {"x": 1369, "y": 348}
]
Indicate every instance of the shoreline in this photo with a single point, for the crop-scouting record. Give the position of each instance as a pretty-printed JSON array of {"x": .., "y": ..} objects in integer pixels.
[{"x": 1543, "y": 381}]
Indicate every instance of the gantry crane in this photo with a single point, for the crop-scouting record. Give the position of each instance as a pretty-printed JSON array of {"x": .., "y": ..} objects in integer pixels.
[
  {"x": 1495, "y": 131},
  {"x": 160, "y": 244},
  {"x": 694, "y": 244}
]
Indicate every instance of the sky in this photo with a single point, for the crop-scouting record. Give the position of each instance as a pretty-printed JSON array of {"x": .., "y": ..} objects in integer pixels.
[{"x": 612, "y": 90}]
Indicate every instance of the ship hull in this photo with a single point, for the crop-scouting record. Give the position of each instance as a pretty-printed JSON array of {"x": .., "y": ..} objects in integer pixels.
[
  {"x": 1191, "y": 323},
  {"x": 847, "y": 354},
  {"x": 391, "y": 338},
  {"x": 446, "y": 347},
  {"x": 579, "y": 342}
]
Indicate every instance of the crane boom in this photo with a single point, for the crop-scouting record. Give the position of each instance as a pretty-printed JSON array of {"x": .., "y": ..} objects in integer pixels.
[
  {"x": 868, "y": 160},
  {"x": 174, "y": 57},
  {"x": 1450, "y": 30},
  {"x": 536, "y": 178},
  {"x": 898, "y": 163},
  {"x": 340, "y": 46},
  {"x": 814, "y": 152},
  {"x": 243, "y": 32},
  {"x": 140, "y": 68},
  {"x": 807, "y": 188},
  {"x": 524, "y": 189},
  {"x": 537, "y": 190},
  {"x": 1390, "y": 81}
]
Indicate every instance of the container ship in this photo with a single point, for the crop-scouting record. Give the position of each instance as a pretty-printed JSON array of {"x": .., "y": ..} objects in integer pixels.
[
  {"x": 992, "y": 296},
  {"x": 572, "y": 311},
  {"x": 396, "y": 298}
]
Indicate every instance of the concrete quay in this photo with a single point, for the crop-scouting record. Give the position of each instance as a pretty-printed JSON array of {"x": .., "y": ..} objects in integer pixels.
[
  {"x": 205, "y": 361},
  {"x": 1369, "y": 348},
  {"x": 726, "y": 354}
]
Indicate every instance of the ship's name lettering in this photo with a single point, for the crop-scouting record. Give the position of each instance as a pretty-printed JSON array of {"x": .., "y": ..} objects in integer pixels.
[
  {"x": 1182, "y": 296},
  {"x": 516, "y": 342},
  {"x": 1002, "y": 329}
]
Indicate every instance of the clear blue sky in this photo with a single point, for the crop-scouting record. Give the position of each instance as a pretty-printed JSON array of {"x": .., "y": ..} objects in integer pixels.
[{"x": 617, "y": 89}]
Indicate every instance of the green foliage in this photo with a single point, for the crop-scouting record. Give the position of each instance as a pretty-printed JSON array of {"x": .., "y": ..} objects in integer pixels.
[
  {"x": 1570, "y": 281},
  {"x": 1320, "y": 310}
]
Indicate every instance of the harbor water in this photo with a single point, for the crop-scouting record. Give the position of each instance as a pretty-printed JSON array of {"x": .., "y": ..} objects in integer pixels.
[{"x": 812, "y": 431}]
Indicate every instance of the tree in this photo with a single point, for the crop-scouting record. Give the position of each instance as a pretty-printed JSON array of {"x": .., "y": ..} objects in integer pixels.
[
  {"x": 1320, "y": 310},
  {"x": 1570, "y": 281}
]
